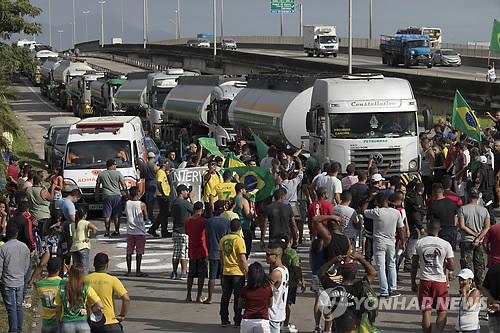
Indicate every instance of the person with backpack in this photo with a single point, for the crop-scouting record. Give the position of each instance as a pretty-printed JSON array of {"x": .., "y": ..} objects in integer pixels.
[{"x": 349, "y": 288}]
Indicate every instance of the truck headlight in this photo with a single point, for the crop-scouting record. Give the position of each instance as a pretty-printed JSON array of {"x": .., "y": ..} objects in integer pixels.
[
  {"x": 413, "y": 165},
  {"x": 412, "y": 52}
]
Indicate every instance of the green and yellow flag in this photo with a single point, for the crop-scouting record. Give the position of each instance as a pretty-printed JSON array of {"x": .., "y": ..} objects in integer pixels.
[
  {"x": 259, "y": 181},
  {"x": 261, "y": 146},
  {"x": 463, "y": 119},
  {"x": 495, "y": 37},
  {"x": 232, "y": 161}
]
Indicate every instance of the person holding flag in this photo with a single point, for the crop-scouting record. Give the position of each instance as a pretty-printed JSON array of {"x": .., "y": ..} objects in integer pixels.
[{"x": 464, "y": 119}]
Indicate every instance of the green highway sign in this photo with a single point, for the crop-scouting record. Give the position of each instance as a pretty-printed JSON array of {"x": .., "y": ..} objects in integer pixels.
[{"x": 288, "y": 6}]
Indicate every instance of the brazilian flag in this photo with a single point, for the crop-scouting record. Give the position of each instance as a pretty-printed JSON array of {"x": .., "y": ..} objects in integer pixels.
[
  {"x": 259, "y": 181},
  {"x": 463, "y": 119},
  {"x": 495, "y": 37},
  {"x": 232, "y": 161}
]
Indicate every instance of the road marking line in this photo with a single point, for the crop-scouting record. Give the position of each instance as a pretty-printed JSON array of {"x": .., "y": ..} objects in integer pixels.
[{"x": 41, "y": 99}]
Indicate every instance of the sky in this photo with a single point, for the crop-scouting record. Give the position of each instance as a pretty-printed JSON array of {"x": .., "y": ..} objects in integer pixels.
[{"x": 460, "y": 20}]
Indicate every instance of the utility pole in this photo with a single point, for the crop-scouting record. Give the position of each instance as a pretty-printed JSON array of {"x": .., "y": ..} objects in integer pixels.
[
  {"x": 86, "y": 25},
  {"x": 122, "y": 21},
  {"x": 178, "y": 20},
  {"x": 144, "y": 37},
  {"x": 60, "y": 39},
  {"x": 221, "y": 20},
  {"x": 102, "y": 2},
  {"x": 50, "y": 26},
  {"x": 349, "y": 59},
  {"x": 147, "y": 21},
  {"x": 74, "y": 25},
  {"x": 300, "y": 20},
  {"x": 281, "y": 16},
  {"x": 371, "y": 12},
  {"x": 215, "y": 28}
]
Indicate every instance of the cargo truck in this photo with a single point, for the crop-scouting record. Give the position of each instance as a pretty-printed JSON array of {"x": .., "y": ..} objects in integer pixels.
[
  {"x": 102, "y": 93},
  {"x": 410, "y": 50},
  {"x": 159, "y": 85},
  {"x": 80, "y": 94},
  {"x": 357, "y": 118},
  {"x": 320, "y": 40},
  {"x": 61, "y": 77},
  {"x": 131, "y": 97},
  {"x": 46, "y": 71}
]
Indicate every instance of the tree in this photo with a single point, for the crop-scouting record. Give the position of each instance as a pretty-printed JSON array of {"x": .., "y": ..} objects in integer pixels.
[{"x": 13, "y": 15}]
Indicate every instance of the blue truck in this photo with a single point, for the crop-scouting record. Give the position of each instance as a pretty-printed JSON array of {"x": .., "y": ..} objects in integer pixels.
[{"x": 409, "y": 50}]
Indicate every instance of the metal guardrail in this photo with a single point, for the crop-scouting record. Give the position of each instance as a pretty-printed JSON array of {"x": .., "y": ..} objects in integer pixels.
[{"x": 145, "y": 64}]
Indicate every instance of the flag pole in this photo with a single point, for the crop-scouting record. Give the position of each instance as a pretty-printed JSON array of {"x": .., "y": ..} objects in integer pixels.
[{"x": 489, "y": 54}]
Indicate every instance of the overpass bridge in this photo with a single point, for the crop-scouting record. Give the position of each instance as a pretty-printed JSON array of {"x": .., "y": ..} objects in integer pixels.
[{"x": 434, "y": 86}]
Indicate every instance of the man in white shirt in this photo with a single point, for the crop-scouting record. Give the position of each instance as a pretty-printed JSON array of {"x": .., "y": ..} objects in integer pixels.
[
  {"x": 386, "y": 221},
  {"x": 491, "y": 76},
  {"x": 331, "y": 183},
  {"x": 267, "y": 161},
  {"x": 434, "y": 255}
]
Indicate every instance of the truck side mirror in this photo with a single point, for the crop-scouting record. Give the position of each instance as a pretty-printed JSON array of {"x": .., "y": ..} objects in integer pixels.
[
  {"x": 427, "y": 118},
  {"x": 311, "y": 121}
]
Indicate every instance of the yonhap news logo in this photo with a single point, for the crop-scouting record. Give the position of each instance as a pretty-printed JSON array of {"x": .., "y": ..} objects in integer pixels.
[{"x": 334, "y": 302}]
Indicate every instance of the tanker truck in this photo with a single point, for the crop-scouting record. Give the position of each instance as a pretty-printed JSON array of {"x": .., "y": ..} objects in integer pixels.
[
  {"x": 102, "y": 93},
  {"x": 46, "y": 74},
  {"x": 62, "y": 76},
  {"x": 80, "y": 93},
  {"x": 355, "y": 118},
  {"x": 186, "y": 106},
  {"x": 41, "y": 56},
  {"x": 159, "y": 86},
  {"x": 130, "y": 97},
  {"x": 274, "y": 107}
]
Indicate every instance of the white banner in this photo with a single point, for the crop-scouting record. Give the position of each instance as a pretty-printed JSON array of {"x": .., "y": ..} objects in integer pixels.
[{"x": 189, "y": 177}]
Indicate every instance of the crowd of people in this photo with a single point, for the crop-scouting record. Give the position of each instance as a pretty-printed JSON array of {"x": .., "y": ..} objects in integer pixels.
[{"x": 368, "y": 217}]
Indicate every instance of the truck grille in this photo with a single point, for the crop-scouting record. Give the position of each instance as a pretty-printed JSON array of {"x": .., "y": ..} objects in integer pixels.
[
  {"x": 361, "y": 157},
  {"x": 329, "y": 47}
]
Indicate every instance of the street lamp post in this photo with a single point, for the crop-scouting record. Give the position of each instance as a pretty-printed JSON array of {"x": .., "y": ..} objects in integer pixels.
[
  {"x": 122, "y": 21},
  {"x": 301, "y": 6},
  {"x": 176, "y": 26},
  {"x": 102, "y": 2},
  {"x": 145, "y": 25},
  {"x": 349, "y": 59},
  {"x": 281, "y": 17},
  {"x": 50, "y": 26},
  {"x": 86, "y": 25},
  {"x": 72, "y": 36},
  {"x": 215, "y": 27},
  {"x": 74, "y": 25},
  {"x": 178, "y": 20},
  {"x": 60, "y": 39},
  {"x": 371, "y": 12},
  {"x": 221, "y": 20}
]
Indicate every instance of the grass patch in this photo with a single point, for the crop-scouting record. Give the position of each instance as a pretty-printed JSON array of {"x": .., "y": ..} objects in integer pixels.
[
  {"x": 484, "y": 121},
  {"x": 24, "y": 150}
]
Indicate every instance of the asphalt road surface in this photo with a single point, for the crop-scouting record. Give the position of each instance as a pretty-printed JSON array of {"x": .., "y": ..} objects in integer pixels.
[{"x": 157, "y": 302}]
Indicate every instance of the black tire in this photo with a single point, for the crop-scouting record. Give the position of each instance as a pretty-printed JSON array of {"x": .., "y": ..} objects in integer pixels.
[
  {"x": 335, "y": 55},
  {"x": 309, "y": 54},
  {"x": 384, "y": 60},
  {"x": 429, "y": 65},
  {"x": 407, "y": 62}
]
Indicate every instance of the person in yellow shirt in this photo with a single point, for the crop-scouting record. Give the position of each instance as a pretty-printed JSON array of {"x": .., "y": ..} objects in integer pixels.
[
  {"x": 47, "y": 290},
  {"x": 210, "y": 179},
  {"x": 226, "y": 189},
  {"x": 163, "y": 199},
  {"x": 234, "y": 267},
  {"x": 106, "y": 286}
]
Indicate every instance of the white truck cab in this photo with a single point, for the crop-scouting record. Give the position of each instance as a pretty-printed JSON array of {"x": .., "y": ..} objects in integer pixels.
[{"x": 93, "y": 141}]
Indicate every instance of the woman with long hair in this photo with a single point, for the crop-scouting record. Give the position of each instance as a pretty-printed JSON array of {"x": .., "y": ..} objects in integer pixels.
[
  {"x": 256, "y": 297},
  {"x": 73, "y": 300},
  {"x": 82, "y": 231}
]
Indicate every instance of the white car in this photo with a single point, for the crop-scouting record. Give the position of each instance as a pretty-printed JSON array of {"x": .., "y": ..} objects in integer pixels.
[
  {"x": 446, "y": 57},
  {"x": 228, "y": 44},
  {"x": 198, "y": 43}
]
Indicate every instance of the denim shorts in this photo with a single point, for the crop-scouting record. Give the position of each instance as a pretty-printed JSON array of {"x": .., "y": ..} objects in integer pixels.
[{"x": 112, "y": 206}]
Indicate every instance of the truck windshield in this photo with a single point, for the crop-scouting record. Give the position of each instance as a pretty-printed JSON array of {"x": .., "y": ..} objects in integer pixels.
[
  {"x": 417, "y": 43},
  {"x": 372, "y": 125},
  {"x": 159, "y": 96},
  {"x": 327, "y": 39},
  {"x": 94, "y": 154}
]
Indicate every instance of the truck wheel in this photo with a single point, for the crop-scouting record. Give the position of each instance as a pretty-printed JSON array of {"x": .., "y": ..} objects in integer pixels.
[
  {"x": 309, "y": 54},
  {"x": 429, "y": 65},
  {"x": 407, "y": 62},
  {"x": 326, "y": 55},
  {"x": 335, "y": 55},
  {"x": 384, "y": 60},
  {"x": 395, "y": 62}
]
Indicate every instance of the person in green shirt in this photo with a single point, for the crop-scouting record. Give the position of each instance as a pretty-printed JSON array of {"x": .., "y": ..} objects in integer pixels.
[
  {"x": 47, "y": 290},
  {"x": 291, "y": 261}
]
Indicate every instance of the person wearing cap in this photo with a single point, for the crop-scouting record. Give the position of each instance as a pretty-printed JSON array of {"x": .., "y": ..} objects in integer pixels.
[
  {"x": 181, "y": 208},
  {"x": 12, "y": 175},
  {"x": 470, "y": 303},
  {"x": 434, "y": 256},
  {"x": 386, "y": 221},
  {"x": 484, "y": 181},
  {"x": 210, "y": 179},
  {"x": 474, "y": 222},
  {"x": 242, "y": 208},
  {"x": 215, "y": 228},
  {"x": 107, "y": 286},
  {"x": 349, "y": 288},
  {"x": 272, "y": 153},
  {"x": 163, "y": 199},
  {"x": 112, "y": 184},
  {"x": 234, "y": 267},
  {"x": 351, "y": 178},
  {"x": 150, "y": 169},
  {"x": 197, "y": 251}
]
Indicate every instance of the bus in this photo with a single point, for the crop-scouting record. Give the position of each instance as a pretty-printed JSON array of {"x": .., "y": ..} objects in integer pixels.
[{"x": 433, "y": 33}]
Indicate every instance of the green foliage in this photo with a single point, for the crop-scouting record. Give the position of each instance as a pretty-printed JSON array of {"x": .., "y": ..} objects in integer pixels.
[
  {"x": 13, "y": 58},
  {"x": 13, "y": 15}
]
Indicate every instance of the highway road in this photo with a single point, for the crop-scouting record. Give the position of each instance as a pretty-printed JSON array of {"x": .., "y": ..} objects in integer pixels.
[
  {"x": 157, "y": 302},
  {"x": 374, "y": 64}
]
